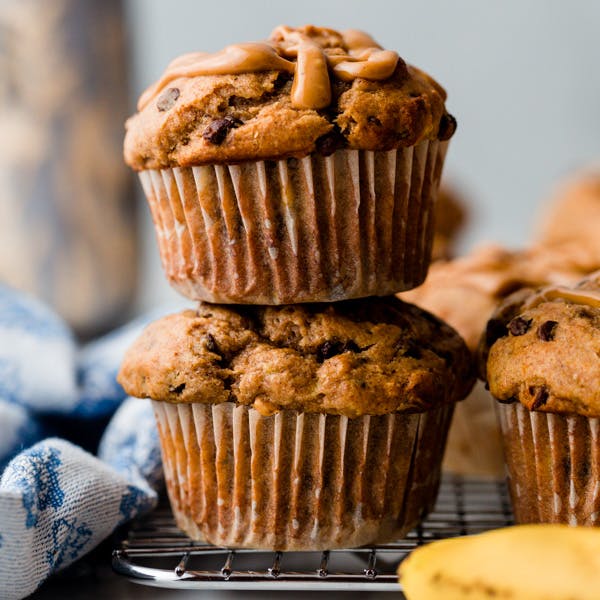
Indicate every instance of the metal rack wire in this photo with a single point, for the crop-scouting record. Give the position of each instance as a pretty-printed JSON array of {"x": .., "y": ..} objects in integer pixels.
[{"x": 154, "y": 552}]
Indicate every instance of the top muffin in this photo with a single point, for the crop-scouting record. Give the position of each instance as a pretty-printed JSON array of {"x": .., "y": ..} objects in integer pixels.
[{"x": 302, "y": 90}]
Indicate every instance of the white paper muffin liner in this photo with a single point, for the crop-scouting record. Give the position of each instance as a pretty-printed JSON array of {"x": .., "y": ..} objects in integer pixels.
[
  {"x": 353, "y": 224},
  {"x": 553, "y": 464},
  {"x": 298, "y": 481}
]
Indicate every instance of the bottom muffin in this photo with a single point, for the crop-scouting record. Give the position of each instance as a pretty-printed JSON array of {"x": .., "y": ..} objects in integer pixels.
[
  {"x": 300, "y": 427},
  {"x": 297, "y": 481},
  {"x": 543, "y": 366}
]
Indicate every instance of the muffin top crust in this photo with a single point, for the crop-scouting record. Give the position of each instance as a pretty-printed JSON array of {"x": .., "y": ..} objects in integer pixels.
[
  {"x": 302, "y": 90},
  {"x": 542, "y": 348},
  {"x": 351, "y": 358}
]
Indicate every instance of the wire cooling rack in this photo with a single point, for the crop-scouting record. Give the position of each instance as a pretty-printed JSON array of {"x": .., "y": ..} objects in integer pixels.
[{"x": 154, "y": 552}]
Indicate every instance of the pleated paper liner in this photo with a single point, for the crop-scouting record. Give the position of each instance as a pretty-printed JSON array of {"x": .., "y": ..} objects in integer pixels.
[
  {"x": 299, "y": 481},
  {"x": 553, "y": 463},
  {"x": 350, "y": 225}
]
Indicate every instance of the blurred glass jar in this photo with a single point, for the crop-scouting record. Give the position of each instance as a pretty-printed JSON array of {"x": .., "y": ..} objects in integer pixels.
[{"x": 67, "y": 210}]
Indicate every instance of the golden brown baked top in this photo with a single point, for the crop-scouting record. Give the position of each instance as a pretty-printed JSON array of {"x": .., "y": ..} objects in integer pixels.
[
  {"x": 302, "y": 90},
  {"x": 542, "y": 348},
  {"x": 465, "y": 291},
  {"x": 357, "y": 357}
]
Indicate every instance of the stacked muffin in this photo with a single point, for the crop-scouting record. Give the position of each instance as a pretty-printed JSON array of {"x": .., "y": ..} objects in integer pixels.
[{"x": 292, "y": 181}]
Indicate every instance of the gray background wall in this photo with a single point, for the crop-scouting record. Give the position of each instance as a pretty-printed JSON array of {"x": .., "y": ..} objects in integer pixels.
[{"x": 522, "y": 76}]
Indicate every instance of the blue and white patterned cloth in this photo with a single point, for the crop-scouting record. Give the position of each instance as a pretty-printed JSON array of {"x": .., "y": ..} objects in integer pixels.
[{"x": 57, "y": 500}]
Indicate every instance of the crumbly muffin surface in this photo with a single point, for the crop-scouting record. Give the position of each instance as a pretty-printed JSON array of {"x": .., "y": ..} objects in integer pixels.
[
  {"x": 233, "y": 117},
  {"x": 546, "y": 354},
  {"x": 352, "y": 358}
]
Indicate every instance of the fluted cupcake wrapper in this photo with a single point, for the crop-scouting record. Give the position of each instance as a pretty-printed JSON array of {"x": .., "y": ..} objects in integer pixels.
[
  {"x": 553, "y": 464},
  {"x": 349, "y": 225},
  {"x": 298, "y": 481}
]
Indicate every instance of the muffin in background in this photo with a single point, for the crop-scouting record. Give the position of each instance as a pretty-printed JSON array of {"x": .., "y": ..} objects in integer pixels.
[
  {"x": 272, "y": 184},
  {"x": 464, "y": 292},
  {"x": 541, "y": 360},
  {"x": 300, "y": 427},
  {"x": 573, "y": 215},
  {"x": 451, "y": 216}
]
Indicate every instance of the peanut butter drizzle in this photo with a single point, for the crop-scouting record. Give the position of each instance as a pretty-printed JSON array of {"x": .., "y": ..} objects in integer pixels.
[
  {"x": 311, "y": 87},
  {"x": 558, "y": 292},
  {"x": 316, "y": 50},
  {"x": 238, "y": 58}
]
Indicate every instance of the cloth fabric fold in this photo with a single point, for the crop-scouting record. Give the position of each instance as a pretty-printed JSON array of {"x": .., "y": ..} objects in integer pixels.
[{"x": 57, "y": 499}]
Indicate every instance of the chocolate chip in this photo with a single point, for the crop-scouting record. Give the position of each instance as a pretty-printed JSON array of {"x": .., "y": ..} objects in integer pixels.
[
  {"x": 167, "y": 99},
  {"x": 217, "y": 131},
  {"x": 332, "y": 348},
  {"x": 374, "y": 120},
  {"x": 540, "y": 396},
  {"x": 211, "y": 344},
  {"x": 177, "y": 389},
  {"x": 494, "y": 330},
  {"x": 519, "y": 326},
  {"x": 330, "y": 142},
  {"x": 401, "y": 68},
  {"x": 351, "y": 346},
  {"x": 447, "y": 127},
  {"x": 546, "y": 331}
]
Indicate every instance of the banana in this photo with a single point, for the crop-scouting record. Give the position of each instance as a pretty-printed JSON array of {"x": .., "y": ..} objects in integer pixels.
[{"x": 525, "y": 562}]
